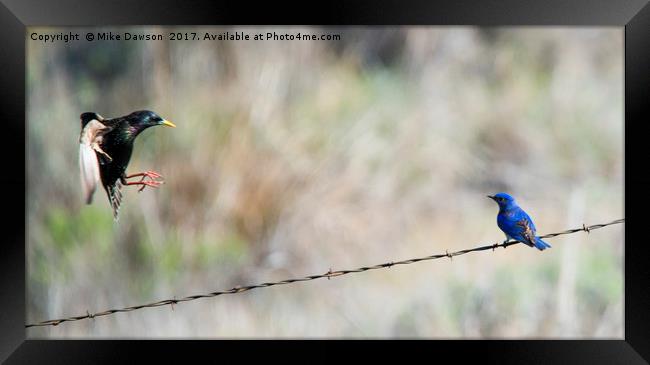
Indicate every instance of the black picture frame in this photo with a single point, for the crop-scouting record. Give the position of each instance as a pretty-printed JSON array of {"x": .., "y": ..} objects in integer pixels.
[{"x": 15, "y": 15}]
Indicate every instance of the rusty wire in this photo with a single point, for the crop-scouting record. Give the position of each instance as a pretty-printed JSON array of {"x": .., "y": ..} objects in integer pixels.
[{"x": 329, "y": 274}]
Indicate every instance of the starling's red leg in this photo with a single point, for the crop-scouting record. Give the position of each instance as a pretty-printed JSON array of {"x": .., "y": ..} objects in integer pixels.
[
  {"x": 147, "y": 174},
  {"x": 153, "y": 184}
]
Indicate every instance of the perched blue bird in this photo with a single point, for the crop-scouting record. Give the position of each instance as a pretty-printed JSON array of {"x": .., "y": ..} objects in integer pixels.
[{"x": 515, "y": 223}]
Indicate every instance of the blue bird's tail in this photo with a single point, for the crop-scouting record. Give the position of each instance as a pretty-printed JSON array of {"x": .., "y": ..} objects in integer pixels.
[{"x": 541, "y": 245}]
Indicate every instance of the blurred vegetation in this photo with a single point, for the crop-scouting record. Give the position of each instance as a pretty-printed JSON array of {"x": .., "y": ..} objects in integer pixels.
[{"x": 291, "y": 158}]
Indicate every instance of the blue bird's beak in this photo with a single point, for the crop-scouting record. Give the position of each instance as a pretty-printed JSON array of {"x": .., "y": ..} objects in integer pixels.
[{"x": 491, "y": 197}]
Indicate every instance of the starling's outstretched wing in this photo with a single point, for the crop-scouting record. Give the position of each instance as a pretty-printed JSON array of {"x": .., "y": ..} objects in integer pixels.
[
  {"x": 89, "y": 171},
  {"x": 89, "y": 146}
]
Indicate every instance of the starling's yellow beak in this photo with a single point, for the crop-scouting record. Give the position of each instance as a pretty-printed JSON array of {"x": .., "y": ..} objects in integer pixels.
[{"x": 168, "y": 123}]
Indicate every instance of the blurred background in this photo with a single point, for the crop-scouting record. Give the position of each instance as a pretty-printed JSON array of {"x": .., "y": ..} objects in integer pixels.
[{"x": 294, "y": 157}]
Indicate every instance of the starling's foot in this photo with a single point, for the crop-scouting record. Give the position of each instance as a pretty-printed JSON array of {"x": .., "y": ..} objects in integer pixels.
[
  {"x": 152, "y": 183},
  {"x": 147, "y": 174}
]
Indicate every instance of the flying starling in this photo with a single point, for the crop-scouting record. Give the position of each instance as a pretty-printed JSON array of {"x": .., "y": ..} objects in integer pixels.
[{"x": 105, "y": 147}]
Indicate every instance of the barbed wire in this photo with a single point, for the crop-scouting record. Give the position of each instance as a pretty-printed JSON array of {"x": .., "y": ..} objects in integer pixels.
[{"x": 329, "y": 274}]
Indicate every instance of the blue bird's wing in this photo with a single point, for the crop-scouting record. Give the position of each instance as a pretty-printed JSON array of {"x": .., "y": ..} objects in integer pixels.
[
  {"x": 529, "y": 233},
  {"x": 529, "y": 220},
  {"x": 526, "y": 231}
]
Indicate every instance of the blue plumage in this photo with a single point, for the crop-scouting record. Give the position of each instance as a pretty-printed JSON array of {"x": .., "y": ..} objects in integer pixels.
[{"x": 515, "y": 223}]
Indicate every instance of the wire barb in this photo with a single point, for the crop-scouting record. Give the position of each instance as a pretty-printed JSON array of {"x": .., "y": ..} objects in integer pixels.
[{"x": 328, "y": 275}]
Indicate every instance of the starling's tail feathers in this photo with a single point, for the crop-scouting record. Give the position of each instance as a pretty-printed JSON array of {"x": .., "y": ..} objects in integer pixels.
[
  {"x": 115, "y": 198},
  {"x": 541, "y": 245}
]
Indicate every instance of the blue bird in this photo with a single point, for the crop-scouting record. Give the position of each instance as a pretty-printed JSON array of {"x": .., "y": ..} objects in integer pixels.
[{"x": 515, "y": 223}]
